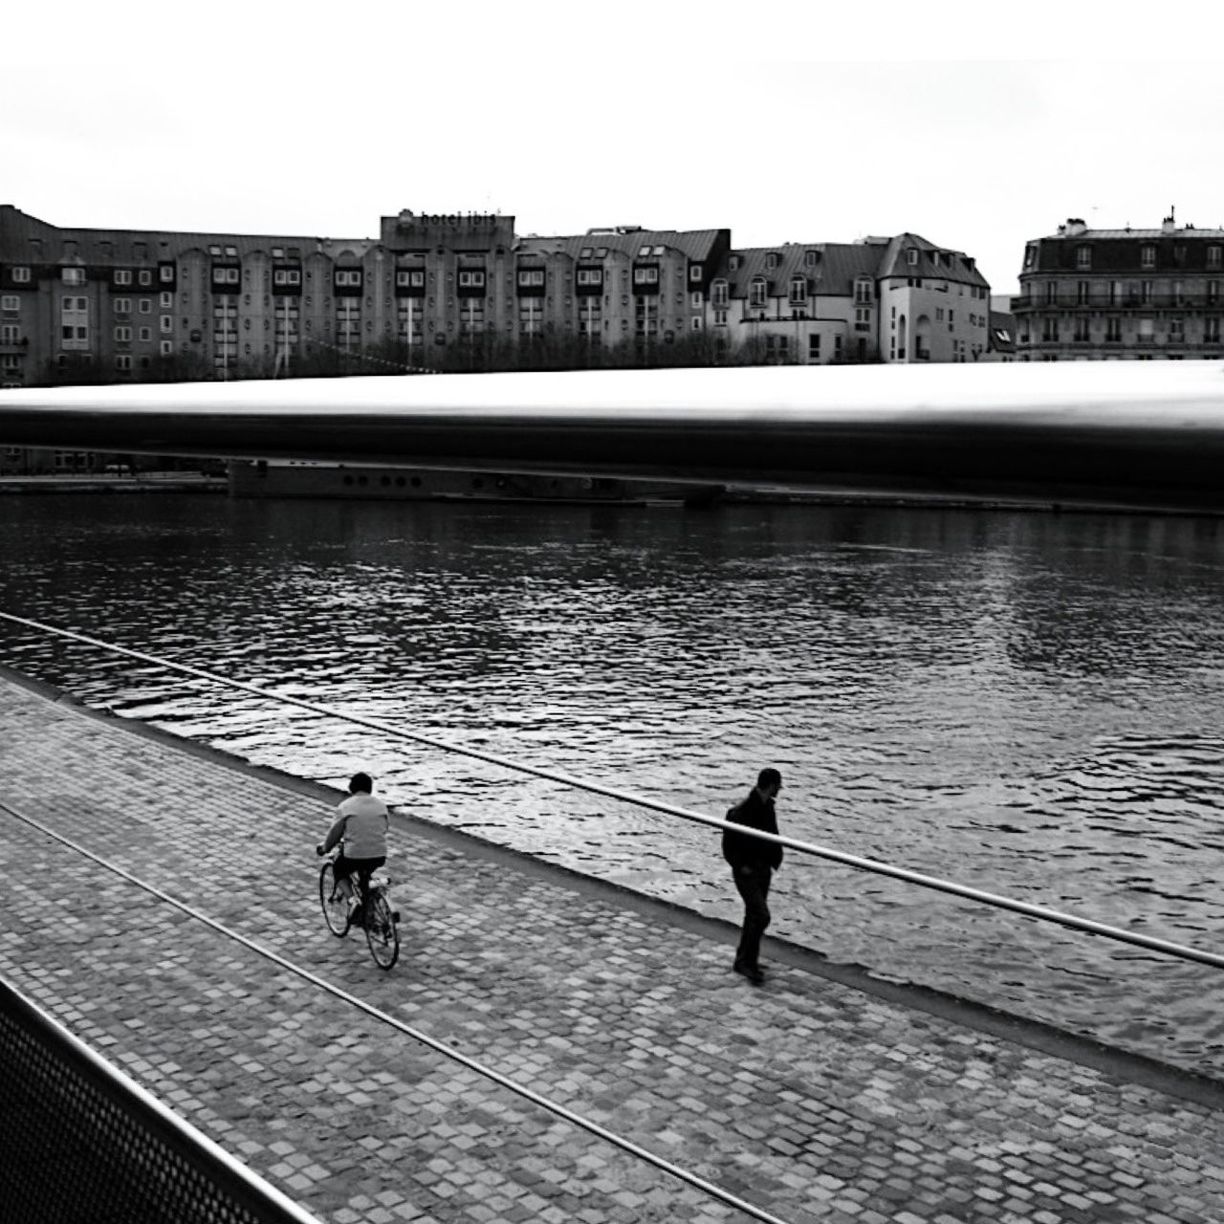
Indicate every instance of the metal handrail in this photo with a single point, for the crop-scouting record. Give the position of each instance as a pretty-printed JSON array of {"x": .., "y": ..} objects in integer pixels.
[{"x": 1040, "y": 912}]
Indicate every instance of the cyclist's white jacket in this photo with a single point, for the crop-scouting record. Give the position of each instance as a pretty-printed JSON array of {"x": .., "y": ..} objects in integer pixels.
[{"x": 362, "y": 823}]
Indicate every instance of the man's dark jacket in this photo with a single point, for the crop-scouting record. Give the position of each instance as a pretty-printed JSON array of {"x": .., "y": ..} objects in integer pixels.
[{"x": 742, "y": 851}]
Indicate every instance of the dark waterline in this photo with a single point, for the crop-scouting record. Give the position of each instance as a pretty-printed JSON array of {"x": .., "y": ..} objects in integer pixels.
[{"x": 1028, "y": 704}]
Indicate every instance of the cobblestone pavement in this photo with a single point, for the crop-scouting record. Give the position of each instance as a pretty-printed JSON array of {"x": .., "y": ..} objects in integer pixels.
[{"x": 808, "y": 1098}]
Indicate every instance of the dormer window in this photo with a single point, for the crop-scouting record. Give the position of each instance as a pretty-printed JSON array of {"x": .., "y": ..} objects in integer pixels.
[
  {"x": 601, "y": 252},
  {"x": 232, "y": 252},
  {"x": 733, "y": 263},
  {"x": 811, "y": 258},
  {"x": 1030, "y": 257},
  {"x": 718, "y": 293},
  {"x": 585, "y": 253},
  {"x": 758, "y": 292},
  {"x": 798, "y": 290},
  {"x": 771, "y": 261},
  {"x": 1147, "y": 256},
  {"x": 644, "y": 252},
  {"x": 911, "y": 256},
  {"x": 214, "y": 250},
  {"x": 1083, "y": 257}
]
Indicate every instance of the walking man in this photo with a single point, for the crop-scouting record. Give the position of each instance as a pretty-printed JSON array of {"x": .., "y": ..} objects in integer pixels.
[{"x": 753, "y": 862}]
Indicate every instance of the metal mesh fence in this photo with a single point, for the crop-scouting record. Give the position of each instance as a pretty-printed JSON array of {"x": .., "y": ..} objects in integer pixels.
[{"x": 81, "y": 1144}]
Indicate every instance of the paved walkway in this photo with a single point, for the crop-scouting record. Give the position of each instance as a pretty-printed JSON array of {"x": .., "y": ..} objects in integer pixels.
[{"x": 809, "y": 1098}]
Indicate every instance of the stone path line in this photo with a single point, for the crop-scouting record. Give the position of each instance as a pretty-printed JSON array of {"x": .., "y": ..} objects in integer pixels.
[{"x": 810, "y": 1098}]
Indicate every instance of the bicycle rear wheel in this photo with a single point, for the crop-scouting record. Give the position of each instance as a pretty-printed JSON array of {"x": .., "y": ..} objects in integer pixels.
[
  {"x": 335, "y": 904},
  {"x": 381, "y": 932}
]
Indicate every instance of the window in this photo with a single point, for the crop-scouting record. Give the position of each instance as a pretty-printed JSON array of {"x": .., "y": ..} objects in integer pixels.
[
  {"x": 1049, "y": 330},
  {"x": 1081, "y": 292},
  {"x": 1147, "y": 256},
  {"x": 348, "y": 322},
  {"x": 472, "y": 315},
  {"x": 410, "y": 278},
  {"x": 1211, "y": 329},
  {"x": 165, "y": 273},
  {"x": 471, "y": 278},
  {"x": 285, "y": 277},
  {"x": 646, "y": 317},
  {"x": 798, "y": 290},
  {"x": 10, "y": 302},
  {"x": 862, "y": 318},
  {"x": 146, "y": 305},
  {"x": 696, "y": 301},
  {"x": 645, "y": 276},
  {"x": 1213, "y": 256},
  {"x": 911, "y": 256},
  {"x": 166, "y": 324},
  {"x": 166, "y": 347},
  {"x": 123, "y": 362},
  {"x": 1213, "y": 292},
  {"x": 10, "y": 333},
  {"x": 144, "y": 277},
  {"x": 695, "y": 274},
  {"x": 225, "y": 276},
  {"x": 1081, "y": 330},
  {"x": 811, "y": 259},
  {"x": 146, "y": 334},
  {"x": 122, "y": 305},
  {"x": 718, "y": 293},
  {"x": 1145, "y": 293},
  {"x": 1083, "y": 257},
  {"x": 20, "y": 275},
  {"x": 758, "y": 292},
  {"x": 720, "y": 318},
  {"x": 531, "y": 317},
  {"x": 73, "y": 276},
  {"x": 1177, "y": 330},
  {"x": 411, "y": 319},
  {"x": 771, "y": 261},
  {"x": 733, "y": 263},
  {"x": 814, "y": 346},
  {"x": 863, "y": 291},
  {"x": 122, "y": 276},
  {"x": 1113, "y": 331},
  {"x": 123, "y": 335},
  {"x": 348, "y": 278},
  {"x": 166, "y": 301},
  {"x": 590, "y": 318},
  {"x": 530, "y": 278}
]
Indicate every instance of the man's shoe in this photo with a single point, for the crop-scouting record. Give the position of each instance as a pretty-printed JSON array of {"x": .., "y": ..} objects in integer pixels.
[{"x": 751, "y": 972}]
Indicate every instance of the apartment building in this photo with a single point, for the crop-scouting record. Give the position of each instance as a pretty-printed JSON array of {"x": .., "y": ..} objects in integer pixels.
[
  {"x": 1109, "y": 294},
  {"x": 83, "y": 305}
]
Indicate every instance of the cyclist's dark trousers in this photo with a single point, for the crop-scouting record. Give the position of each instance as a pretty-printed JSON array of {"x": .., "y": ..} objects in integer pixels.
[
  {"x": 752, "y": 884},
  {"x": 363, "y": 867}
]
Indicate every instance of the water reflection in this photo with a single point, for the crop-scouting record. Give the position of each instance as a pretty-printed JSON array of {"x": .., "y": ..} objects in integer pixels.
[{"x": 1028, "y": 704}]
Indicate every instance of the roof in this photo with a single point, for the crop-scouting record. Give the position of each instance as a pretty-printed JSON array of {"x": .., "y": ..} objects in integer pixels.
[
  {"x": 696, "y": 245},
  {"x": 833, "y": 273},
  {"x": 1001, "y": 335},
  {"x": 940, "y": 263},
  {"x": 1187, "y": 231},
  {"x": 18, "y": 230}
]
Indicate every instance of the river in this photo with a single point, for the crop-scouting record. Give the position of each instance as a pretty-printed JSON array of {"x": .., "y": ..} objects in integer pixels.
[{"x": 1026, "y": 703}]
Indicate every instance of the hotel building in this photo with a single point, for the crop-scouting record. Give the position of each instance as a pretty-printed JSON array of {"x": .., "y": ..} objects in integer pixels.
[
  {"x": 463, "y": 291},
  {"x": 1139, "y": 294}
]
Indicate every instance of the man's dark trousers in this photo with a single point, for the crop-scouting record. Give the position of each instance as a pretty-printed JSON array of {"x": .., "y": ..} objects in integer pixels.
[{"x": 752, "y": 884}]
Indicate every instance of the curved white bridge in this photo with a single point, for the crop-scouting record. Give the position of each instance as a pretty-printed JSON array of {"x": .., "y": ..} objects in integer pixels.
[{"x": 1133, "y": 434}]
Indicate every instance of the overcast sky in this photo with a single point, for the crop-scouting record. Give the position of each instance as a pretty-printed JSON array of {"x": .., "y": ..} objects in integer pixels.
[{"x": 786, "y": 123}]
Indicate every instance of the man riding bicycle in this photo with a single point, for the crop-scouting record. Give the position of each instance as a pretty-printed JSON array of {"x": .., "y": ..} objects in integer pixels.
[{"x": 361, "y": 830}]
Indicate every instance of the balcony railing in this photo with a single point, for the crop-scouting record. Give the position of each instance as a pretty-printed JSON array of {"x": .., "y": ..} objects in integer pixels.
[{"x": 1155, "y": 301}]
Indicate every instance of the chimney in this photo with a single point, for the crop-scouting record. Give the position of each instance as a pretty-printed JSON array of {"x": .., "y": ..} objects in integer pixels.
[{"x": 1168, "y": 225}]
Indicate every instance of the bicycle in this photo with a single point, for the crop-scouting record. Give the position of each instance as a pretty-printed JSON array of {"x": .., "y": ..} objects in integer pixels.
[{"x": 340, "y": 912}]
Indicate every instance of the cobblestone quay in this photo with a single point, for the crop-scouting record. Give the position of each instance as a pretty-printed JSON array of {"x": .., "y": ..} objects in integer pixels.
[{"x": 813, "y": 1098}]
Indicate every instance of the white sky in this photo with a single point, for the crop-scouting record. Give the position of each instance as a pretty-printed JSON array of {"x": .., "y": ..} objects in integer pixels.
[{"x": 977, "y": 126}]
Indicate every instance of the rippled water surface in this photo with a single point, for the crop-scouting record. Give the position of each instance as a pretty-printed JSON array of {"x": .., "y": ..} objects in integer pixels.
[{"x": 1029, "y": 704}]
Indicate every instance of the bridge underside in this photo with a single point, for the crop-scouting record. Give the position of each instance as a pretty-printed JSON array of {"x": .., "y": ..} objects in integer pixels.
[{"x": 1141, "y": 435}]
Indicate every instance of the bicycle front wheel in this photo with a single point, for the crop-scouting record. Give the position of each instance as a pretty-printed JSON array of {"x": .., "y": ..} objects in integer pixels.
[
  {"x": 381, "y": 932},
  {"x": 335, "y": 904}
]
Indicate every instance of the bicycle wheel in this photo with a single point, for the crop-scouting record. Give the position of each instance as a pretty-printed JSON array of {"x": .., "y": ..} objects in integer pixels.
[
  {"x": 335, "y": 904},
  {"x": 381, "y": 932}
]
